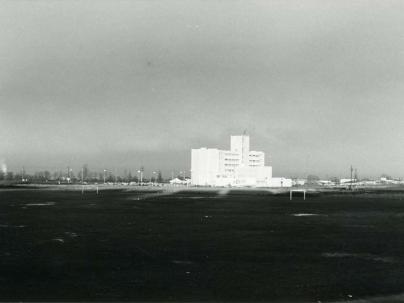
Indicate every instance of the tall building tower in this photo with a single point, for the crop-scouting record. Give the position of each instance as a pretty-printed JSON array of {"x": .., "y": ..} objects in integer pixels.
[
  {"x": 235, "y": 167},
  {"x": 241, "y": 145}
]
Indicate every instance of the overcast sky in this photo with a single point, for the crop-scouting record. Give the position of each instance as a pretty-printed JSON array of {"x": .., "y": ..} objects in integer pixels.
[{"x": 318, "y": 85}]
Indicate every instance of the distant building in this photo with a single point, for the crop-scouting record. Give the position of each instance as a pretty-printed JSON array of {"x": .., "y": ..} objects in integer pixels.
[
  {"x": 326, "y": 183},
  {"x": 235, "y": 167},
  {"x": 177, "y": 181},
  {"x": 346, "y": 181},
  {"x": 298, "y": 182},
  {"x": 253, "y": 176},
  {"x": 280, "y": 182},
  {"x": 385, "y": 180}
]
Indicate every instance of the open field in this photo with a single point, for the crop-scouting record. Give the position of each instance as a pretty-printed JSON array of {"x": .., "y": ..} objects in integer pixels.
[{"x": 199, "y": 245}]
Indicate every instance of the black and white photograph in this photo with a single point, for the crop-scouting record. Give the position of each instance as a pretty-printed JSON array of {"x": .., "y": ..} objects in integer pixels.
[{"x": 202, "y": 151}]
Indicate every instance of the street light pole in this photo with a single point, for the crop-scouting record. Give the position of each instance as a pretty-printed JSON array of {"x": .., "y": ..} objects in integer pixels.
[
  {"x": 104, "y": 175},
  {"x": 141, "y": 175},
  {"x": 69, "y": 170},
  {"x": 351, "y": 177}
]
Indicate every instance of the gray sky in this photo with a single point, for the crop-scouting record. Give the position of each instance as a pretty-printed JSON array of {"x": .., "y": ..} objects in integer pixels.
[{"x": 317, "y": 84}]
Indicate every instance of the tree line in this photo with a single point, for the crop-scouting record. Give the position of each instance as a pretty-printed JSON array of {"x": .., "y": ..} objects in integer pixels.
[{"x": 84, "y": 175}]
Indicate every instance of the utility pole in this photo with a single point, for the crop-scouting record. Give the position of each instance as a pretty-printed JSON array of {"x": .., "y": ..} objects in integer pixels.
[
  {"x": 82, "y": 180},
  {"x": 351, "y": 175}
]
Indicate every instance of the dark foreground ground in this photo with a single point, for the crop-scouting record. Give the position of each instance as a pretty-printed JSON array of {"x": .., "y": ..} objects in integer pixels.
[{"x": 65, "y": 246}]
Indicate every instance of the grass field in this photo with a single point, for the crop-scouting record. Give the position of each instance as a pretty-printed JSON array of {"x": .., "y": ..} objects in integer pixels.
[{"x": 198, "y": 246}]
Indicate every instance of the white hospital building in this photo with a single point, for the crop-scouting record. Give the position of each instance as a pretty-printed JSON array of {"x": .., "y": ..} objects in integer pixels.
[{"x": 238, "y": 166}]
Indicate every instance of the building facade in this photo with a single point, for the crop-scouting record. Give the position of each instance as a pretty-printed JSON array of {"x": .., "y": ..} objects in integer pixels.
[{"x": 238, "y": 166}]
